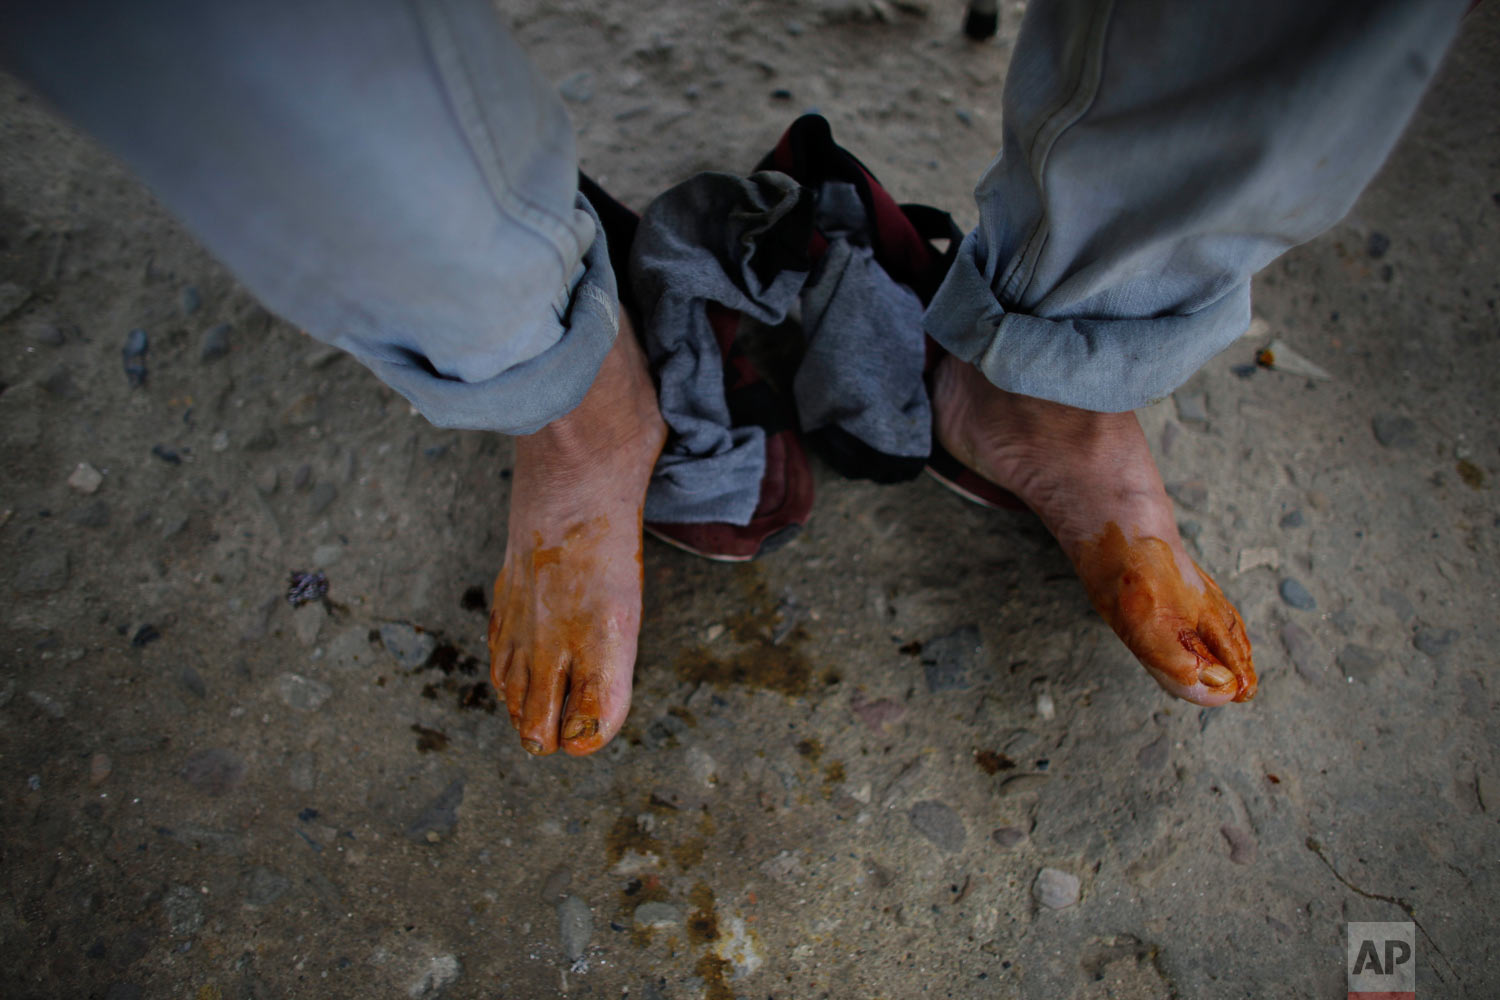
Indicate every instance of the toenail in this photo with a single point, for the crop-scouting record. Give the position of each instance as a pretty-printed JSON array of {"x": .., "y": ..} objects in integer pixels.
[
  {"x": 579, "y": 727},
  {"x": 531, "y": 746},
  {"x": 1216, "y": 676}
]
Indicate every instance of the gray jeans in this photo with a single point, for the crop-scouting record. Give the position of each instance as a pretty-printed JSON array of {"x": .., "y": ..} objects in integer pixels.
[{"x": 395, "y": 177}]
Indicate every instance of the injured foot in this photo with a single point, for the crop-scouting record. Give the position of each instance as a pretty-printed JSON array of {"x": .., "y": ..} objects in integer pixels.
[
  {"x": 1091, "y": 479},
  {"x": 567, "y": 608}
]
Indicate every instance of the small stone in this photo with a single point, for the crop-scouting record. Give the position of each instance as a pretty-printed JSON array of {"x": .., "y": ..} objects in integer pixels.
[
  {"x": 1258, "y": 557},
  {"x": 950, "y": 661},
  {"x": 1434, "y": 641},
  {"x": 302, "y": 693},
  {"x": 1397, "y": 602},
  {"x": 100, "y": 768},
  {"x": 1304, "y": 652},
  {"x": 322, "y": 495},
  {"x": 85, "y": 478},
  {"x": 713, "y": 632},
  {"x": 220, "y": 442},
  {"x": 1393, "y": 430},
  {"x": 264, "y": 887},
  {"x": 192, "y": 682},
  {"x": 1055, "y": 889},
  {"x": 879, "y": 713},
  {"x": 1296, "y": 595},
  {"x": 657, "y": 915},
  {"x": 1046, "y": 708},
  {"x": 794, "y": 27},
  {"x": 575, "y": 925},
  {"x": 145, "y": 635},
  {"x": 440, "y": 816},
  {"x": 47, "y": 703},
  {"x": 1008, "y": 836},
  {"x": 1192, "y": 407},
  {"x": 191, "y": 300},
  {"x": 939, "y": 824},
  {"x": 1293, "y": 519},
  {"x": 308, "y": 622},
  {"x": 1189, "y": 530},
  {"x": 45, "y": 573},
  {"x": 1153, "y": 756},
  {"x": 1192, "y": 494},
  {"x": 91, "y": 515},
  {"x": 184, "y": 909},
  {"x": 1020, "y": 784},
  {"x": 578, "y": 88},
  {"x": 166, "y": 454},
  {"x": 214, "y": 344},
  {"x": 1360, "y": 663},
  {"x": 1377, "y": 245},
  {"x": 410, "y": 647},
  {"x": 1241, "y": 844},
  {"x": 133, "y": 356},
  {"x": 214, "y": 771},
  {"x": 555, "y": 887},
  {"x": 964, "y": 116},
  {"x": 266, "y": 480},
  {"x": 437, "y": 974}
]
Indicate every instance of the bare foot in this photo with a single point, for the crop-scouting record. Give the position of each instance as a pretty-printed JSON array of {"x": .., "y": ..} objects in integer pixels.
[
  {"x": 567, "y": 608},
  {"x": 1091, "y": 479}
]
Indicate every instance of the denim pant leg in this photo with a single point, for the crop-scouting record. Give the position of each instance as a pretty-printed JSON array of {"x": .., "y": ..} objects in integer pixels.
[
  {"x": 1156, "y": 155},
  {"x": 393, "y": 176}
]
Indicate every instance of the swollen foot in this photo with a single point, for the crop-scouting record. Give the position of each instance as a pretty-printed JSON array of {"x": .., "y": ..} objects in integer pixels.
[
  {"x": 567, "y": 608},
  {"x": 1091, "y": 479}
]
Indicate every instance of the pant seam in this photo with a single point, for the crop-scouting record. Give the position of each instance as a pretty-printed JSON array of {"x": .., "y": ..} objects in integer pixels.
[{"x": 1045, "y": 138}]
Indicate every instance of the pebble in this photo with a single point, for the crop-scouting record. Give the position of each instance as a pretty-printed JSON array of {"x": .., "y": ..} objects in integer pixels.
[
  {"x": 1360, "y": 663},
  {"x": 302, "y": 693},
  {"x": 1189, "y": 530},
  {"x": 437, "y": 974},
  {"x": 308, "y": 622},
  {"x": 578, "y": 88},
  {"x": 879, "y": 713},
  {"x": 1055, "y": 889},
  {"x": 1257, "y": 557},
  {"x": 214, "y": 344},
  {"x": 191, "y": 300},
  {"x": 100, "y": 768},
  {"x": 555, "y": 886},
  {"x": 1296, "y": 595},
  {"x": 322, "y": 495},
  {"x": 1192, "y": 407},
  {"x": 1377, "y": 245},
  {"x": 440, "y": 817},
  {"x": 220, "y": 442},
  {"x": 1020, "y": 784},
  {"x": 1046, "y": 708},
  {"x": 938, "y": 823},
  {"x": 1241, "y": 844},
  {"x": 264, "y": 887},
  {"x": 184, "y": 909},
  {"x": 302, "y": 773},
  {"x": 1304, "y": 651},
  {"x": 133, "y": 355},
  {"x": 794, "y": 27},
  {"x": 575, "y": 926},
  {"x": 47, "y": 704},
  {"x": 657, "y": 915},
  {"x": 965, "y": 116},
  {"x": 166, "y": 454},
  {"x": 1192, "y": 493},
  {"x": 1008, "y": 836},
  {"x": 1393, "y": 430},
  {"x": 1293, "y": 519},
  {"x": 192, "y": 682},
  {"x": 1397, "y": 602},
  {"x": 1434, "y": 641},
  {"x": 214, "y": 771},
  {"x": 950, "y": 661},
  {"x": 44, "y": 573},
  {"x": 1153, "y": 756},
  {"x": 266, "y": 480},
  {"x": 410, "y": 647}
]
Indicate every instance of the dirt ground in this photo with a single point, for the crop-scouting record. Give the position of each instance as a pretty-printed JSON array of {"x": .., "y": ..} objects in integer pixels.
[{"x": 846, "y": 765}]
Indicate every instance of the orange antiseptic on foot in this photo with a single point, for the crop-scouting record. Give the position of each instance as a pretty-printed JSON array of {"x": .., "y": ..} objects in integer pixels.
[
  {"x": 1187, "y": 633},
  {"x": 546, "y": 614}
]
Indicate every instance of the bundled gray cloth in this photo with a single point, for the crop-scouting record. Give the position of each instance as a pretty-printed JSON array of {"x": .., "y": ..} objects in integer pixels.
[{"x": 741, "y": 242}]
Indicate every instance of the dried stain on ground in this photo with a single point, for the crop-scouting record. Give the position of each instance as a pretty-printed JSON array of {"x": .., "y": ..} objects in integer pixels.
[{"x": 761, "y": 661}]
